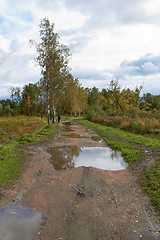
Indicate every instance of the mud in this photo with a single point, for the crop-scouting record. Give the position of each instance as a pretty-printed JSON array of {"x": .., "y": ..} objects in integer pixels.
[{"x": 83, "y": 202}]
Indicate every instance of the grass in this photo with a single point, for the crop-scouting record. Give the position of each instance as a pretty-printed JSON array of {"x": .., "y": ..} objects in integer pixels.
[
  {"x": 11, "y": 158},
  {"x": 122, "y": 135},
  {"x": 128, "y": 152},
  {"x": 151, "y": 183},
  {"x": 13, "y": 127},
  {"x": 150, "y": 179},
  {"x": 11, "y": 162},
  {"x": 144, "y": 126},
  {"x": 38, "y": 135}
]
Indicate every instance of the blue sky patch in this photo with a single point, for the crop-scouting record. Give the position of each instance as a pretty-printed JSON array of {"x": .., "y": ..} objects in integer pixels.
[{"x": 27, "y": 16}]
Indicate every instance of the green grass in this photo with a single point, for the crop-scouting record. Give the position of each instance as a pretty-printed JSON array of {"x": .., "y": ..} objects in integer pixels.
[
  {"x": 12, "y": 159},
  {"x": 38, "y": 135},
  {"x": 122, "y": 135},
  {"x": 128, "y": 152},
  {"x": 11, "y": 162},
  {"x": 151, "y": 183}
]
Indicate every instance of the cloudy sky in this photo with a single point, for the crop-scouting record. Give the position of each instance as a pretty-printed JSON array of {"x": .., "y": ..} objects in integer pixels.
[{"x": 108, "y": 39}]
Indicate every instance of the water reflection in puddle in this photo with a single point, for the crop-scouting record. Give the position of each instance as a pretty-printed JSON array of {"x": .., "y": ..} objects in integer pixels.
[
  {"x": 19, "y": 223},
  {"x": 98, "y": 157}
]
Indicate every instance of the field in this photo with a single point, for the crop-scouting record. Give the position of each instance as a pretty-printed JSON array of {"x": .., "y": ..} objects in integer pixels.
[
  {"x": 15, "y": 132},
  {"x": 139, "y": 125},
  {"x": 14, "y": 127}
]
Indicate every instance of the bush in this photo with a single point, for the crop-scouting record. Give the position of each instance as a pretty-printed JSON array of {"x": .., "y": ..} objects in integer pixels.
[
  {"x": 135, "y": 125},
  {"x": 8, "y": 111},
  {"x": 92, "y": 112}
]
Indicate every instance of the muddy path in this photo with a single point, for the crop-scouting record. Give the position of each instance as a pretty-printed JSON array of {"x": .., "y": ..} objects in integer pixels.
[{"x": 79, "y": 202}]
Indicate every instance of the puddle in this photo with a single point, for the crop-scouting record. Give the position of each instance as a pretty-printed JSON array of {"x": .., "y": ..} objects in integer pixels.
[
  {"x": 19, "y": 223},
  {"x": 63, "y": 157},
  {"x": 99, "y": 157}
]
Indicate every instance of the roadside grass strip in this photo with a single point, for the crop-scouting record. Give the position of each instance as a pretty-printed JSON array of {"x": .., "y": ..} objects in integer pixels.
[
  {"x": 128, "y": 152},
  {"x": 12, "y": 158},
  {"x": 38, "y": 135},
  {"x": 151, "y": 183},
  {"x": 11, "y": 162},
  {"x": 121, "y": 134}
]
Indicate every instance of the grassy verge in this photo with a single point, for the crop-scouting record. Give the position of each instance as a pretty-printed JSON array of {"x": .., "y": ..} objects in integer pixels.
[
  {"x": 12, "y": 159},
  {"x": 38, "y": 135},
  {"x": 150, "y": 179},
  {"x": 122, "y": 135},
  {"x": 128, "y": 152},
  {"x": 11, "y": 162},
  {"x": 151, "y": 183}
]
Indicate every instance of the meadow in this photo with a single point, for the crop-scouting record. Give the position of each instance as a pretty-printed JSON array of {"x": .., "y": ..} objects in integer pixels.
[
  {"x": 139, "y": 125},
  {"x": 14, "y": 133}
]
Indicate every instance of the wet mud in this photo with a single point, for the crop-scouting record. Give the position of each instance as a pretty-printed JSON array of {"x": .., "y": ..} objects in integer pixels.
[{"x": 81, "y": 202}]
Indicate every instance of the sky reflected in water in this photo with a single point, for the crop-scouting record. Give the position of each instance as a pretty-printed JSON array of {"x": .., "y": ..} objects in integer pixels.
[{"x": 99, "y": 157}]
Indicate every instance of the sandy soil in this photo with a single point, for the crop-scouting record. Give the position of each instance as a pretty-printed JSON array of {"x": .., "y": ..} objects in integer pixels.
[{"x": 84, "y": 202}]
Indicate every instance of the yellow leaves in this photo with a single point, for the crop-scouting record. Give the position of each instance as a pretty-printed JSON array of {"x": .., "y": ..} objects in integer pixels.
[{"x": 76, "y": 97}]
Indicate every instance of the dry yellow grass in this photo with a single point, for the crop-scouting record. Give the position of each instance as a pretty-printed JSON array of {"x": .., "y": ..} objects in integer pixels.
[{"x": 14, "y": 127}]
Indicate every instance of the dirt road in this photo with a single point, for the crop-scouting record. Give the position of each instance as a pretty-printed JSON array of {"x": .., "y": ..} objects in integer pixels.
[{"x": 84, "y": 202}]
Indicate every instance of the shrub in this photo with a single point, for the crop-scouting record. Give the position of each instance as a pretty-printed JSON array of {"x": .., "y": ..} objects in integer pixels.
[
  {"x": 92, "y": 112},
  {"x": 135, "y": 125}
]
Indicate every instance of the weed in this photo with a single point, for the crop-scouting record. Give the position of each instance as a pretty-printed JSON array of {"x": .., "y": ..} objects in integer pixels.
[
  {"x": 14, "y": 127},
  {"x": 11, "y": 163},
  {"x": 128, "y": 152},
  {"x": 123, "y": 135},
  {"x": 135, "y": 125},
  {"x": 151, "y": 183},
  {"x": 11, "y": 159},
  {"x": 38, "y": 135}
]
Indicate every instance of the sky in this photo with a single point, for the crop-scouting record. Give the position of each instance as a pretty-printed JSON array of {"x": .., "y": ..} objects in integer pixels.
[{"x": 108, "y": 39}]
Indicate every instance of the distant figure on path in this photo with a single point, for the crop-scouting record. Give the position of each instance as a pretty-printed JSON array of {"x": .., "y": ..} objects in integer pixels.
[{"x": 59, "y": 118}]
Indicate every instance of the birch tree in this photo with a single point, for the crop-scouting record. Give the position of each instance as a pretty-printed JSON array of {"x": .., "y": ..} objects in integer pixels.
[{"x": 53, "y": 60}]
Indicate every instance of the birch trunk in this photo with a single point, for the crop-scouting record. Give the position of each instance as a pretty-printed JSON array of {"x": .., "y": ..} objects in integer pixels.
[
  {"x": 48, "y": 106},
  {"x": 54, "y": 114}
]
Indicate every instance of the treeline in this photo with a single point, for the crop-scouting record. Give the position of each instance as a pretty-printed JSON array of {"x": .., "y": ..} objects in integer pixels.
[
  {"x": 30, "y": 101},
  {"x": 115, "y": 101},
  {"x": 74, "y": 99}
]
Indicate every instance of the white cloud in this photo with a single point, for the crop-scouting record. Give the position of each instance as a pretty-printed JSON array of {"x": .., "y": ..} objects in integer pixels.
[
  {"x": 152, "y": 7},
  {"x": 100, "y": 34}
]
